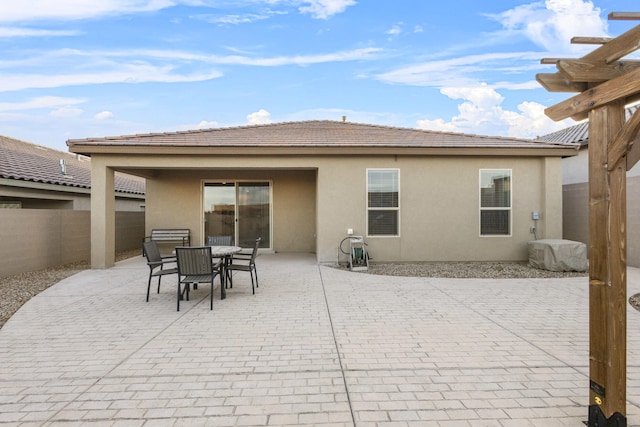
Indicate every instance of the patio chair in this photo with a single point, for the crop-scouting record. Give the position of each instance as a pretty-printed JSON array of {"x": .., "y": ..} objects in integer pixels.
[
  {"x": 156, "y": 264},
  {"x": 245, "y": 262},
  {"x": 195, "y": 265},
  {"x": 220, "y": 240}
]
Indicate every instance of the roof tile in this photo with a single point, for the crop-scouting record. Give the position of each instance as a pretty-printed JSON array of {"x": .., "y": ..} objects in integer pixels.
[
  {"x": 25, "y": 161},
  {"x": 314, "y": 133}
]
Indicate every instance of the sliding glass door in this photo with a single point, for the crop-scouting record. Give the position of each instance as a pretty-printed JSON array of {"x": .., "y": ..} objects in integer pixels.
[{"x": 240, "y": 209}]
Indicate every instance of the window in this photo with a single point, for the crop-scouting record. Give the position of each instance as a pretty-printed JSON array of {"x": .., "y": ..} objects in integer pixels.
[
  {"x": 383, "y": 209},
  {"x": 495, "y": 202}
]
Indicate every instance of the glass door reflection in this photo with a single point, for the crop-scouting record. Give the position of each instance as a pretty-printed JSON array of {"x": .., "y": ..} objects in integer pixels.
[{"x": 239, "y": 209}]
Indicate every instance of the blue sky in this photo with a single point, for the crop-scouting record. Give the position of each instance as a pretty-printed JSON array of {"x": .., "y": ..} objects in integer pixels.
[{"x": 89, "y": 68}]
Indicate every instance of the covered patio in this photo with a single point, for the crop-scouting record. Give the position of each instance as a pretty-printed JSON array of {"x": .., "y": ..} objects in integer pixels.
[{"x": 314, "y": 346}]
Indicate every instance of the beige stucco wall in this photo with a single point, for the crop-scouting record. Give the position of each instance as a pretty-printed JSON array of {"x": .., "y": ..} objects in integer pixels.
[
  {"x": 439, "y": 208},
  {"x": 33, "y": 239},
  {"x": 316, "y": 199},
  {"x": 174, "y": 200}
]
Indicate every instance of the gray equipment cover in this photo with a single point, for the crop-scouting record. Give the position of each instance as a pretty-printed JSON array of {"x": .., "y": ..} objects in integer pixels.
[{"x": 558, "y": 255}]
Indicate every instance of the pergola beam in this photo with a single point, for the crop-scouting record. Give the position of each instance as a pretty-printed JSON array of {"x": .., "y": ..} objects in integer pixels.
[
  {"x": 590, "y": 40},
  {"x": 623, "y": 16},
  {"x": 578, "y": 106},
  {"x": 622, "y": 143},
  {"x": 555, "y": 82},
  {"x": 589, "y": 71},
  {"x": 617, "y": 48}
]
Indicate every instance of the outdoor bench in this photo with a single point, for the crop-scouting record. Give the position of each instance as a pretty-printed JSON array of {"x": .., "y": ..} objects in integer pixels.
[{"x": 178, "y": 236}]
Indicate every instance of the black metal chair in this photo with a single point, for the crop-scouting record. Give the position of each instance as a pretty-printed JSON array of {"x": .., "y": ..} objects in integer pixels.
[
  {"x": 226, "y": 240},
  {"x": 195, "y": 265},
  {"x": 156, "y": 264},
  {"x": 245, "y": 262}
]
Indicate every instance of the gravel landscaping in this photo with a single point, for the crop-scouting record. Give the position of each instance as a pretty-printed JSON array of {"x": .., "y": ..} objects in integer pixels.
[{"x": 18, "y": 289}]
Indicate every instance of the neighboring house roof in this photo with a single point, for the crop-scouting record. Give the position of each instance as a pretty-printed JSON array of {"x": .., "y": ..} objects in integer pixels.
[
  {"x": 24, "y": 161},
  {"x": 579, "y": 133},
  {"x": 322, "y": 135}
]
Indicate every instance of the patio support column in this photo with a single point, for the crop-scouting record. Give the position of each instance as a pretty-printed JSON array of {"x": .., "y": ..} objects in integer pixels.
[{"x": 102, "y": 216}]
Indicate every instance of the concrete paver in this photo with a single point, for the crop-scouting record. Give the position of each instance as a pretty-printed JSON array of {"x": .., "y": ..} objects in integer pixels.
[{"x": 315, "y": 346}]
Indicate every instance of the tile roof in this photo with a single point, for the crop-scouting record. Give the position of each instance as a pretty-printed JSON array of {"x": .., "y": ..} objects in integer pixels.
[
  {"x": 25, "y": 161},
  {"x": 579, "y": 133},
  {"x": 314, "y": 133}
]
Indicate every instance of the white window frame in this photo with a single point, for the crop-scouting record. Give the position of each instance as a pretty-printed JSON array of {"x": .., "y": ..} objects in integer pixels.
[
  {"x": 510, "y": 208},
  {"x": 397, "y": 208}
]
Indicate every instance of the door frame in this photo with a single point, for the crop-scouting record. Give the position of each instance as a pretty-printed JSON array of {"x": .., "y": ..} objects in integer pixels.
[{"x": 235, "y": 182}]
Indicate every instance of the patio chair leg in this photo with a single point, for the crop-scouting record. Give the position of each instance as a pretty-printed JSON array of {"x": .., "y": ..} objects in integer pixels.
[
  {"x": 148, "y": 288},
  {"x": 183, "y": 293},
  {"x": 211, "y": 294},
  {"x": 253, "y": 290},
  {"x": 159, "y": 278}
]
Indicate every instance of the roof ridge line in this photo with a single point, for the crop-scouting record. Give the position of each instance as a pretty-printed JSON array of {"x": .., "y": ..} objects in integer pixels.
[{"x": 300, "y": 122}]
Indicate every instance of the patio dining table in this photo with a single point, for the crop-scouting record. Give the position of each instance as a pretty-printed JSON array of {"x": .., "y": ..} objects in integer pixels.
[{"x": 225, "y": 253}]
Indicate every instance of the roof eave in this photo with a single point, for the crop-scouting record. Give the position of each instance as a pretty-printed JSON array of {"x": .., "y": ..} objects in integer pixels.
[{"x": 491, "y": 150}]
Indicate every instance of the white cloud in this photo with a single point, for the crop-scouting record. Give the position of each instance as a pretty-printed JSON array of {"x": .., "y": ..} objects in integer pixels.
[
  {"x": 67, "y": 112},
  {"x": 463, "y": 71},
  {"x": 549, "y": 24},
  {"x": 531, "y": 121},
  {"x": 260, "y": 117},
  {"x": 46, "y": 102},
  {"x": 237, "y": 19},
  {"x": 553, "y": 23},
  {"x": 323, "y": 9},
  {"x": 246, "y": 18},
  {"x": 6, "y": 32},
  {"x": 104, "y": 115},
  {"x": 339, "y": 56},
  {"x": 204, "y": 124},
  {"x": 78, "y": 67},
  {"x": 129, "y": 73},
  {"x": 437, "y": 125},
  {"x": 69, "y": 10},
  {"x": 481, "y": 113},
  {"x": 395, "y": 30},
  {"x": 30, "y": 10}
]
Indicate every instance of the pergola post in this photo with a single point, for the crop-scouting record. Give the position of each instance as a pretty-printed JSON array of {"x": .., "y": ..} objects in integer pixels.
[
  {"x": 607, "y": 272},
  {"x": 607, "y": 83}
]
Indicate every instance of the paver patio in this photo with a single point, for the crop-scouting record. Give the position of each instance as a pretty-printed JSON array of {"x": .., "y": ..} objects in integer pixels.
[{"x": 314, "y": 346}]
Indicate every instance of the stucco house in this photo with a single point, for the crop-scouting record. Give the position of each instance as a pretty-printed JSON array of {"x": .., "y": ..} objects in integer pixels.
[
  {"x": 575, "y": 190},
  {"x": 45, "y": 197},
  {"x": 37, "y": 177},
  {"x": 414, "y": 195}
]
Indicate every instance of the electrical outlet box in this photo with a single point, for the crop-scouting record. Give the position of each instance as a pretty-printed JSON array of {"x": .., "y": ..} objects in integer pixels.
[
  {"x": 535, "y": 215},
  {"x": 350, "y": 231}
]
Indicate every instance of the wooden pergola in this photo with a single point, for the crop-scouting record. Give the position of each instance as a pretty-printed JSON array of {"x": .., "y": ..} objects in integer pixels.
[{"x": 607, "y": 83}]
